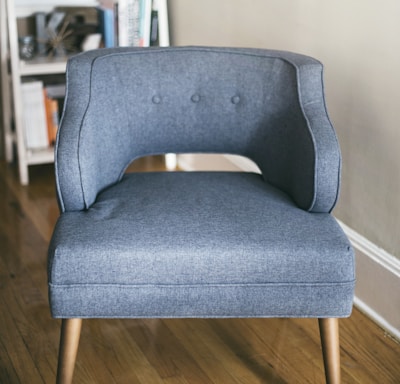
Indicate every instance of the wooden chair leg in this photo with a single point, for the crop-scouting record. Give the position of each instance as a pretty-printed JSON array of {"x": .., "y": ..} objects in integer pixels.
[
  {"x": 69, "y": 341},
  {"x": 329, "y": 331}
]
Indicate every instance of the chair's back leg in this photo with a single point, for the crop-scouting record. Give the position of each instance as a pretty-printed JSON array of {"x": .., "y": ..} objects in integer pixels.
[
  {"x": 329, "y": 331},
  {"x": 69, "y": 341}
]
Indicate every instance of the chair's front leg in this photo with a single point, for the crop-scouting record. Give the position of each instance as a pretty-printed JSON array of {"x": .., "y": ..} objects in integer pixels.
[
  {"x": 69, "y": 342},
  {"x": 329, "y": 331}
]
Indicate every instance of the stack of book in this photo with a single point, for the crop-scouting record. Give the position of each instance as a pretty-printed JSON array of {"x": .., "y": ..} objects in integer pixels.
[{"x": 134, "y": 23}]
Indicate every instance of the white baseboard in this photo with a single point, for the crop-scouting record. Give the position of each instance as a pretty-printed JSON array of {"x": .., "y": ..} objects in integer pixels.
[
  {"x": 378, "y": 283},
  {"x": 377, "y": 292},
  {"x": 212, "y": 162}
]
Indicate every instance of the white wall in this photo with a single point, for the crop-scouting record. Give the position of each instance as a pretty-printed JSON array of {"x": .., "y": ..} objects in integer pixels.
[{"x": 359, "y": 43}]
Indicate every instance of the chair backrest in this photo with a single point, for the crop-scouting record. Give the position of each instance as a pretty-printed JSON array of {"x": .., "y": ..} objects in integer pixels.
[{"x": 266, "y": 105}]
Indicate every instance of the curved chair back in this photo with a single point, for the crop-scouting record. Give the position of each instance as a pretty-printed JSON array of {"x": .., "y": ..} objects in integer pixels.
[{"x": 266, "y": 105}]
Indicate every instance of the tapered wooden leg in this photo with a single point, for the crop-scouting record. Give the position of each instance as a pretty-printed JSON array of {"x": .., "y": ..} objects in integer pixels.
[
  {"x": 329, "y": 331},
  {"x": 69, "y": 341}
]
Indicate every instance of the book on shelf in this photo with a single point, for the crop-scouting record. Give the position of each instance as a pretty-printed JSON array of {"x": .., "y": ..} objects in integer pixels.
[
  {"x": 34, "y": 116},
  {"x": 108, "y": 23},
  {"x": 54, "y": 99},
  {"x": 145, "y": 22},
  {"x": 137, "y": 23},
  {"x": 41, "y": 106},
  {"x": 160, "y": 6},
  {"x": 154, "y": 38},
  {"x": 129, "y": 23}
]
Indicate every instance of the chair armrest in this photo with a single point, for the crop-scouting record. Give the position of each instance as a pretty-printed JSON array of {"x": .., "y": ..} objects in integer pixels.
[
  {"x": 73, "y": 192},
  {"x": 304, "y": 159}
]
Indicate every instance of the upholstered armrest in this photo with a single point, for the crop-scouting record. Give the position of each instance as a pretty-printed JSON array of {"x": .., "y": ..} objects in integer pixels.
[
  {"x": 266, "y": 105},
  {"x": 72, "y": 194},
  {"x": 304, "y": 158}
]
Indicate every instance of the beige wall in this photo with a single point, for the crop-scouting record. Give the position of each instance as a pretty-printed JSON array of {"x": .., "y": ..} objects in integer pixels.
[{"x": 359, "y": 43}]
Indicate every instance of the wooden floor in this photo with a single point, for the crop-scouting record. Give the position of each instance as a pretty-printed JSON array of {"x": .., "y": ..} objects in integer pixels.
[{"x": 154, "y": 351}]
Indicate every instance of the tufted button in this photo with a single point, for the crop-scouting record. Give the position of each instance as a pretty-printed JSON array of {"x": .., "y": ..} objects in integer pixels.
[
  {"x": 235, "y": 99},
  {"x": 156, "y": 99},
  {"x": 195, "y": 98}
]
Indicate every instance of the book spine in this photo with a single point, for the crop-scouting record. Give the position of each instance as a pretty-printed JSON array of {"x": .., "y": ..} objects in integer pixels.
[
  {"x": 154, "y": 27},
  {"x": 41, "y": 33},
  {"x": 35, "y": 122},
  {"x": 163, "y": 26},
  {"x": 116, "y": 24},
  {"x": 135, "y": 23},
  {"x": 107, "y": 27},
  {"x": 145, "y": 22},
  {"x": 129, "y": 23},
  {"x": 52, "y": 117},
  {"x": 123, "y": 23}
]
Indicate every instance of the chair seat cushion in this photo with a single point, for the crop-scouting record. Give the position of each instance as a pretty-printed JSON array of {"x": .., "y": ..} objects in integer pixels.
[{"x": 202, "y": 244}]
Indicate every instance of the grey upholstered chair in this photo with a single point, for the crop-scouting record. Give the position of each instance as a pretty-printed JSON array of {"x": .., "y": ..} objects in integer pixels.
[{"x": 197, "y": 244}]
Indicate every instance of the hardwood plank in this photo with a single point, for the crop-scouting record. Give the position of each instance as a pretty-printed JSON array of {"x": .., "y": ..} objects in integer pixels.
[
  {"x": 147, "y": 164},
  {"x": 38, "y": 200},
  {"x": 18, "y": 352},
  {"x": 109, "y": 343},
  {"x": 24, "y": 289},
  {"x": 367, "y": 353},
  {"x": 165, "y": 352},
  {"x": 221, "y": 362},
  {"x": 8, "y": 333},
  {"x": 206, "y": 350},
  {"x": 276, "y": 344}
]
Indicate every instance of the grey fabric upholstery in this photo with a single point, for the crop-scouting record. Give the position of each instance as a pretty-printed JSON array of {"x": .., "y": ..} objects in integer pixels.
[{"x": 201, "y": 244}]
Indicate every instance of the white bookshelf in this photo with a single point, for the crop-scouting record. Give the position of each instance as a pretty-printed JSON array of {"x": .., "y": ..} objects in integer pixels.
[
  {"x": 14, "y": 70},
  {"x": 5, "y": 83}
]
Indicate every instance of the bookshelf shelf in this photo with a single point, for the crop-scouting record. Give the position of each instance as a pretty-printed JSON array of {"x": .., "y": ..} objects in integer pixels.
[
  {"x": 40, "y": 156},
  {"x": 42, "y": 66}
]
